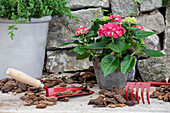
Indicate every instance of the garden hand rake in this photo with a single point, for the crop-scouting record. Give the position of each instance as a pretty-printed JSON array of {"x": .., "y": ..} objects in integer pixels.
[{"x": 141, "y": 85}]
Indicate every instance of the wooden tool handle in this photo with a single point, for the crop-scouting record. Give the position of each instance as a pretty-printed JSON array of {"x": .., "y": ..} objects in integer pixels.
[{"x": 22, "y": 77}]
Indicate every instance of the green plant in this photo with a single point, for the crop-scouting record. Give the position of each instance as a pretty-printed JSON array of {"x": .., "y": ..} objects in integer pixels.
[
  {"x": 137, "y": 1},
  {"x": 27, "y": 9},
  {"x": 165, "y": 2},
  {"x": 115, "y": 41}
]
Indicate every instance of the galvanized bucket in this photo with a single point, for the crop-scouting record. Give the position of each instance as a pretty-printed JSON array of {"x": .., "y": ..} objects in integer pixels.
[
  {"x": 26, "y": 52},
  {"x": 115, "y": 79}
]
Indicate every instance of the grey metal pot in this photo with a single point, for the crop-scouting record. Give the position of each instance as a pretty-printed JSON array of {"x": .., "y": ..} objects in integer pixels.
[
  {"x": 115, "y": 79},
  {"x": 26, "y": 52}
]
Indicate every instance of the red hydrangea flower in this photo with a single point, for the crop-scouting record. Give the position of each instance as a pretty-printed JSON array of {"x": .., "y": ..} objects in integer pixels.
[
  {"x": 81, "y": 30},
  {"x": 117, "y": 18},
  {"x": 139, "y": 27},
  {"x": 111, "y": 29}
]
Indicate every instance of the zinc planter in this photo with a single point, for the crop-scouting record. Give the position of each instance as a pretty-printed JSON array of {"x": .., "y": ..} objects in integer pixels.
[
  {"x": 27, "y": 51},
  {"x": 115, "y": 79}
]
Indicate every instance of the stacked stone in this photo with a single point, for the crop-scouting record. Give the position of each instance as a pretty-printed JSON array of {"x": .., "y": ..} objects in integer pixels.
[
  {"x": 154, "y": 69},
  {"x": 62, "y": 29},
  {"x": 167, "y": 41}
]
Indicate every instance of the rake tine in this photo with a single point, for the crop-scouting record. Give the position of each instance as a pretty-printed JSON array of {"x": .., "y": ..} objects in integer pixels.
[
  {"x": 137, "y": 97},
  {"x": 131, "y": 92},
  {"x": 147, "y": 94},
  {"x": 126, "y": 91},
  {"x": 147, "y": 91},
  {"x": 147, "y": 86},
  {"x": 142, "y": 90}
]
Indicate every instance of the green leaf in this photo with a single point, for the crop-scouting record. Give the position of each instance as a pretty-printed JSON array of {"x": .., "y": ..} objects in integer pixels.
[
  {"x": 105, "y": 10},
  {"x": 133, "y": 28},
  {"x": 153, "y": 53},
  {"x": 139, "y": 34},
  {"x": 97, "y": 21},
  {"x": 15, "y": 28},
  {"x": 71, "y": 50},
  {"x": 109, "y": 63},
  {"x": 140, "y": 46},
  {"x": 138, "y": 1},
  {"x": 83, "y": 56},
  {"x": 75, "y": 42},
  {"x": 90, "y": 34},
  {"x": 80, "y": 50},
  {"x": 123, "y": 45},
  {"x": 114, "y": 47},
  {"x": 105, "y": 39},
  {"x": 140, "y": 53},
  {"x": 127, "y": 64},
  {"x": 75, "y": 36},
  {"x": 95, "y": 28},
  {"x": 89, "y": 40},
  {"x": 132, "y": 12},
  {"x": 10, "y": 27},
  {"x": 99, "y": 40},
  {"x": 134, "y": 44},
  {"x": 90, "y": 58},
  {"x": 142, "y": 42},
  {"x": 96, "y": 45},
  {"x": 119, "y": 46}
]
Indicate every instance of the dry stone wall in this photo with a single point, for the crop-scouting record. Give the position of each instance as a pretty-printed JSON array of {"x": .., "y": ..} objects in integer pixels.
[{"x": 149, "y": 13}]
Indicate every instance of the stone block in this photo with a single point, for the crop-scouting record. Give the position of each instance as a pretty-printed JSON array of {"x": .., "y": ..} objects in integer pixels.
[
  {"x": 75, "y": 4},
  {"x": 149, "y": 5},
  {"x": 167, "y": 50},
  {"x": 167, "y": 16},
  {"x": 58, "y": 32},
  {"x": 152, "y": 69},
  {"x": 61, "y": 29},
  {"x": 62, "y": 60},
  {"x": 153, "y": 21},
  {"x": 167, "y": 41},
  {"x": 123, "y": 7},
  {"x": 152, "y": 42}
]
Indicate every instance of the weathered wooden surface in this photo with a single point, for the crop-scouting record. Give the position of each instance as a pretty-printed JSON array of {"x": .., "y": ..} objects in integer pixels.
[{"x": 10, "y": 103}]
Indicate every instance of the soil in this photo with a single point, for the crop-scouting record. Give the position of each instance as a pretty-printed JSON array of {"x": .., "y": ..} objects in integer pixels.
[
  {"x": 38, "y": 99},
  {"x": 162, "y": 93},
  {"x": 111, "y": 98},
  {"x": 64, "y": 99}
]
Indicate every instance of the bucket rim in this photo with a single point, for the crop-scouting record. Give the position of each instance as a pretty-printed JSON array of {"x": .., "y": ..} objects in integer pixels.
[{"x": 44, "y": 19}]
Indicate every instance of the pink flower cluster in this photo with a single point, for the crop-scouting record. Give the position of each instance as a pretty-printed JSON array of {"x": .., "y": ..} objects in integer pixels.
[
  {"x": 139, "y": 27},
  {"x": 111, "y": 29},
  {"x": 117, "y": 18},
  {"x": 81, "y": 30}
]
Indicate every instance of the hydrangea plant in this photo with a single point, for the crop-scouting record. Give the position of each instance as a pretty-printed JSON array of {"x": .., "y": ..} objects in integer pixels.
[{"x": 115, "y": 41}]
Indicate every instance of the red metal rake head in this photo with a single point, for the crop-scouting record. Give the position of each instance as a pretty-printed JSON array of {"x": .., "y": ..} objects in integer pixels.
[
  {"x": 138, "y": 85},
  {"x": 141, "y": 85}
]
